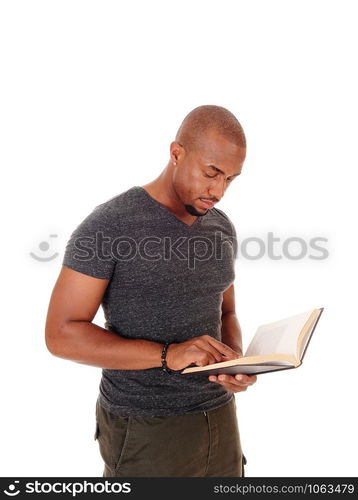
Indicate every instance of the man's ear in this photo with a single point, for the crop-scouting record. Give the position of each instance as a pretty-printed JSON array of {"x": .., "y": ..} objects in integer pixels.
[{"x": 177, "y": 152}]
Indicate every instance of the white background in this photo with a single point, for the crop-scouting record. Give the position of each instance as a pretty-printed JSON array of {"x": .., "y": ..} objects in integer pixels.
[{"x": 92, "y": 93}]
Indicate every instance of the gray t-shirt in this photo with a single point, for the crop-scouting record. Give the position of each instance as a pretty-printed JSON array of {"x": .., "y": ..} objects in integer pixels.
[{"x": 166, "y": 285}]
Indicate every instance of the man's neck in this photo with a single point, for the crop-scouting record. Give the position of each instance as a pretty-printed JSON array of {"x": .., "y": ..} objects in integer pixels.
[{"x": 163, "y": 193}]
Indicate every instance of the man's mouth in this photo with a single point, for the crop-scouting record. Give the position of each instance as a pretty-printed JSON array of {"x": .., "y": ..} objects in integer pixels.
[{"x": 207, "y": 203}]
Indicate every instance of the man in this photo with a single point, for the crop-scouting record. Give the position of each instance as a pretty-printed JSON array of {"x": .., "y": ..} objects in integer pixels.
[{"x": 160, "y": 260}]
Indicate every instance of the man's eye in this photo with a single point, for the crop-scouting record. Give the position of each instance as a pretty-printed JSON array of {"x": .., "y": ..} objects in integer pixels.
[{"x": 210, "y": 176}]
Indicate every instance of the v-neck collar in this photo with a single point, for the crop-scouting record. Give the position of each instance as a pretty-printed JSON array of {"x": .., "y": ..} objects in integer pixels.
[{"x": 168, "y": 212}]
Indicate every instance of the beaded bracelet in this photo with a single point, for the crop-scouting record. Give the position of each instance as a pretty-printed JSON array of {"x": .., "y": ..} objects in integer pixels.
[{"x": 164, "y": 361}]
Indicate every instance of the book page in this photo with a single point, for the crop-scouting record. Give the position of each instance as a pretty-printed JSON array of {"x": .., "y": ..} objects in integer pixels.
[
  {"x": 279, "y": 337},
  {"x": 305, "y": 336}
]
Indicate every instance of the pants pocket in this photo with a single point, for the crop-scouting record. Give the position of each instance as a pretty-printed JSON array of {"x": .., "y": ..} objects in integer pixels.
[{"x": 112, "y": 434}]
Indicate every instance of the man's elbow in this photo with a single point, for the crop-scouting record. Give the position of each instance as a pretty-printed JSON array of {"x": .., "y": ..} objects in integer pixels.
[
  {"x": 51, "y": 343},
  {"x": 55, "y": 340}
]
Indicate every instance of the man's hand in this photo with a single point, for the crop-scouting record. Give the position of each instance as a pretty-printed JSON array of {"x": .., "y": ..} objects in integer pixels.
[
  {"x": 201, "y": 351},
  {"x": 231, "y": 383}
]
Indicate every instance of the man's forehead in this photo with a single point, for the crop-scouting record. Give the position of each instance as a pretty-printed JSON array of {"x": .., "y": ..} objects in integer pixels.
[
  {"x": 215, "y": 145},
  {"x": 217, "y": 155}
]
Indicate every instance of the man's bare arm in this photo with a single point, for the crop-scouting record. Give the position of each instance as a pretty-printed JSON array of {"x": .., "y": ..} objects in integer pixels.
[
  {"x": 230, "y": 329},
  {"x": 70, "y": 333},
  {"x": 231, "y": 335}
]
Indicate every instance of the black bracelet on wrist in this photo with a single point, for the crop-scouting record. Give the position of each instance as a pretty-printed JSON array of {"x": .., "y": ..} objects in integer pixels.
[{"x": 164, "y": 361}]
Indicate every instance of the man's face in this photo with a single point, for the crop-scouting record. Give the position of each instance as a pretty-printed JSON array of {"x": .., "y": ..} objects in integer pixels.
[{"x": 202, "y": 176}]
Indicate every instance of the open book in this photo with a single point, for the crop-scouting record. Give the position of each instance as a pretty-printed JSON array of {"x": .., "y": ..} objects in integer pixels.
[{"x": 275, "y": 346}]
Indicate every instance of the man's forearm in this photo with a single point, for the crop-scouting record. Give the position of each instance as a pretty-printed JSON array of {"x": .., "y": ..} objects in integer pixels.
[
  {"x": 85, "y": 342},
  {"x": 231, "y": 331}
]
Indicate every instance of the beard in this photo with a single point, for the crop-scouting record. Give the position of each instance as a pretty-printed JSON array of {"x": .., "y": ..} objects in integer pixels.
[{"x": 191, "y": 210}]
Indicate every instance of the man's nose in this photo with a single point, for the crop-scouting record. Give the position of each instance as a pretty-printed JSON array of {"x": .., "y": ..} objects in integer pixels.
[{"x": 217, "y": 190}]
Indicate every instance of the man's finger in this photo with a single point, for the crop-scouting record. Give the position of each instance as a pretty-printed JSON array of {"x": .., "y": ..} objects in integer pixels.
[
  {"x": 223, "y": 348},
  {"x": 230, "y": 382},
  {"x": 232, "y": 387},
  {"x": 207, "y": 347},
  {"x": 205, "y": 358},
  {"x": 247, "y": 379}
]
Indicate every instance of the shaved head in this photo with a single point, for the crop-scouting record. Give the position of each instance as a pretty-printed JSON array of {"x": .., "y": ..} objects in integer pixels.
[
  {"x": 206, "y": 156},
  {"x": 200, "y": 121}
]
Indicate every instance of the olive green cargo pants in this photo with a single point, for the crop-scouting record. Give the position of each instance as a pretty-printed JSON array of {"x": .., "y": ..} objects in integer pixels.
[{"x": 205, "y": 444}]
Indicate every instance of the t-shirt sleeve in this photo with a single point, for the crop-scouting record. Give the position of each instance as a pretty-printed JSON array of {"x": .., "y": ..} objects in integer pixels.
[
  {"x": 88, "y": 250},
  {"x": 232, "y": 231},
  {"x": 234, "y": 240}
]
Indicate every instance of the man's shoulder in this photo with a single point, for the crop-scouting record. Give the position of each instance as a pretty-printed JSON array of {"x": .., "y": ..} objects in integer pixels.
[
  {"x": 124, "y": 201},
  {"x": 114, "y": 211},
  {"x": 221, "y": 214},
  {"x": 122, "y": 206},
  {"x": 224, "y": 219}
]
